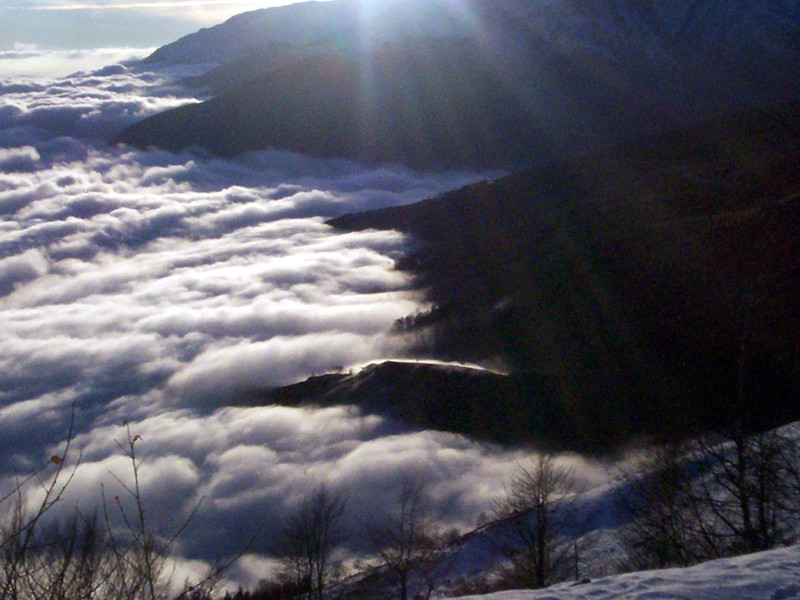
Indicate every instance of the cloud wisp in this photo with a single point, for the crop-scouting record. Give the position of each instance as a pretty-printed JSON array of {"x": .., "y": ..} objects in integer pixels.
[{"x": 28, "y": 60}]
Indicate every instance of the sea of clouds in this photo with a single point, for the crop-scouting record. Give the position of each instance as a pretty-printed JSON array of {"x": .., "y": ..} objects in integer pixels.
[{"x": 149, "y": 290}]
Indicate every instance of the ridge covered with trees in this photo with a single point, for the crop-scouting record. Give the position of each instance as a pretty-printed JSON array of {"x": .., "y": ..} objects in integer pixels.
[{"x": 649, "y": 283}]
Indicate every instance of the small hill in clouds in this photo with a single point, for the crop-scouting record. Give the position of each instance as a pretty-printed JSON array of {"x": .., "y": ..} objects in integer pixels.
[
  {"x": 483, "y": 404},
  {"x": 477, "y": 83},
  {"x": 644, "y": 282}
]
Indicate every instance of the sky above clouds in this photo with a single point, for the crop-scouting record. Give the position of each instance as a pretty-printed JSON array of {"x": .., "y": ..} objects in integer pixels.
[{"x": 56, "y": 38}]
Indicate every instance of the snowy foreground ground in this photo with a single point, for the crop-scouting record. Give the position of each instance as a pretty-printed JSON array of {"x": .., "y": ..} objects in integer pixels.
[{"x": 772, "y": 575}]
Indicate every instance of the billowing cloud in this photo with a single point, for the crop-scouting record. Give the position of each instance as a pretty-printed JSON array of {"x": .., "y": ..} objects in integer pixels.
[
  {"x": 16, "y": 270},
  {"x": 18, "y": 159},
  {"x": 155, "y": 288},
  {"x": 123, "y": 271},
  {"x": 246, "y": 468},
  {"x": 86, "y": 104}
]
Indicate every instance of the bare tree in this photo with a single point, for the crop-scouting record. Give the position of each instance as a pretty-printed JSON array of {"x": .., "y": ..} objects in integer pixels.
[
  {"x": 748, "y": 493},
  {"x": 19, "y": 531},
  {"x": 66, "y": 561},
  {"x": 406, "y": 539},
  {"x": 310, "y": 538},
  {"x": 711, "y": 497},
  {"x": 84, "y": 558},
  {"x": 664, "y": 522},
  {"x": 535, "y": 512},
  {"x": 140, "y": 558}
]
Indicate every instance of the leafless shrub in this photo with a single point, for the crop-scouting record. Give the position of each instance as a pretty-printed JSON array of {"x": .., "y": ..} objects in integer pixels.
[
  {"x": 408, "y": 540},
  {"x": 534, "y": 514},
  {"x": 714, "y": 496},
  {"x": 85, "y": 558},
  {"x": 309, "y": 540},
  {"x": 661, "y": 511}
]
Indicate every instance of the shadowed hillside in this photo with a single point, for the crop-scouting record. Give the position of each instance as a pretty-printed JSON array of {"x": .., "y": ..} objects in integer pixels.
[
  {"x": 654, "y": 283},
  {"x": 421, "y": 102},
  {"x": 493, "y": 83}
]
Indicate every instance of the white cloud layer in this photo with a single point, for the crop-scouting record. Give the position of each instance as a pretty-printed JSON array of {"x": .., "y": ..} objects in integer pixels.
[
  {"x": 155, "y": 288},
  {"x": 27, "y": 60},
  {"x": 247, "y": 468}
]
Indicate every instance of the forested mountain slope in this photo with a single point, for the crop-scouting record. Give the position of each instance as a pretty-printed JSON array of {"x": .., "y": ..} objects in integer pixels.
[{"x": 655, "y": 283}]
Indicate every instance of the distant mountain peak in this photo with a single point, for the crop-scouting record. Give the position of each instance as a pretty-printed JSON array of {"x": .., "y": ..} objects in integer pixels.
[
  {"x": 477, "y": 83},
  {"x": 606, "y": 26}
]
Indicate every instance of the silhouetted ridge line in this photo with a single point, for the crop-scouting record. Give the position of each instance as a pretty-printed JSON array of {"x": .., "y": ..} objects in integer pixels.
[
  {"x": 517, "y": 84},
  {"x": 644, "y": 282}
]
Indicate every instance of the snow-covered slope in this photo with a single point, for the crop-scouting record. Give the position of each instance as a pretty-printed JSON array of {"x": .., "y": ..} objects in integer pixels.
[
  {"x": 600, "y": 557},
  {"x": 772, "y": 575}
]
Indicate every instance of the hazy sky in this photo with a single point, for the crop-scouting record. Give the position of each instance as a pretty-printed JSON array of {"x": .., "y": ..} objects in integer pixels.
[
  {"x": 66, "y": 25},
  {"x": 53, "y": 38}
]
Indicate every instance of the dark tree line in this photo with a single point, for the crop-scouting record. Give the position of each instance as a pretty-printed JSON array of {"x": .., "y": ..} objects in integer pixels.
[
  {"x": 718, "y": 494},
  {"x": 713, "y": 496},
  {"x": 536, "y": 520}
]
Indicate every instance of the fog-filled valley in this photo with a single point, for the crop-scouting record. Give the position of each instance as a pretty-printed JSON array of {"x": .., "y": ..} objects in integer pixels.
[
  {"x": 149, "y": 288},
  {"x": 502, "y": 293}
]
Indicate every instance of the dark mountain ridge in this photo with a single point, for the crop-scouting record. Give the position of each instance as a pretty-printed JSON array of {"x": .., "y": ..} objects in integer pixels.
[
  {"x": 416, "y": 111},
  {"x": 501, "y": 83},
  {"x": 643, "y": 286},
  {"x": 613, "y": 27},
  {"x": 303, "y": 24},
  {"x": 655, "y": 285}
]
